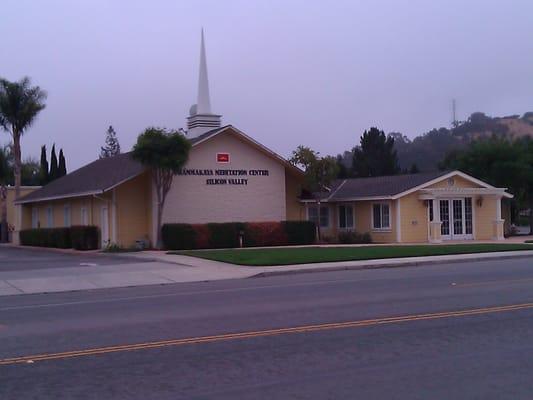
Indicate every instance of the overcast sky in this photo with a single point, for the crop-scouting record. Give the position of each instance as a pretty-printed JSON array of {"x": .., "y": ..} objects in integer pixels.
[{"x": 285, "y": 72}]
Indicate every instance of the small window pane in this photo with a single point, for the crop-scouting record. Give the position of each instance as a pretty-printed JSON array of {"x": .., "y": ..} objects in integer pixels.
[
  {"x": 342, "y": 216},
  {"x": 385, "y": 218},
  {"x": 377, "y": 216},
  {"x": 349, "y": 217}
]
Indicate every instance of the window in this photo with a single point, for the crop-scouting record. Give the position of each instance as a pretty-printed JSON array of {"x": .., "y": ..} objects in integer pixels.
[
  {"x": 49, "y": 217},
  {"x": 381, "y": 216},
  {"x": 83, "y": 216},
  {"x": 345, "y": 217},
  {"x": 66, "y": 215},
  {"x": 34, "y": 218},
  {"x": 430, "y": 210},
  {"x": 312, "y": 215}
]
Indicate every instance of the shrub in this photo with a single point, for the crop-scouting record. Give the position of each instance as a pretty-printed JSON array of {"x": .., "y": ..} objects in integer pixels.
[
  {"x": 352, "y": 237},
  {"x": 85, "y": 237},
  {"x": 300, "y": 232},
  {"x": 46, "y": 237},
  {"x": 264, "y": 234},
  {"x": 178, "y": 236},
  {"x": 224, "y": 235}
]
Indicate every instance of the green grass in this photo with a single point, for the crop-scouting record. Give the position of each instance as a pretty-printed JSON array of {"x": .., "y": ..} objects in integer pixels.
[{"x": 305, "y": 255}]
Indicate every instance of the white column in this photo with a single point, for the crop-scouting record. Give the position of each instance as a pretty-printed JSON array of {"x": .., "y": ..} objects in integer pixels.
[
  {"x": 498, "y": 208},
  {"x": 436, "y": 210},
  {"x": 398, "y": 222}
]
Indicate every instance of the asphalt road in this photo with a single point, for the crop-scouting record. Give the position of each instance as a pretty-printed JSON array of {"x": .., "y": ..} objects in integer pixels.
[
  {"x": 16, "y": 259},
  {"x": 430, "y": 353}
]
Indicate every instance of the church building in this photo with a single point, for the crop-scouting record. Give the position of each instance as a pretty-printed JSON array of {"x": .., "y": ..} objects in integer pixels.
[{"x": 230, "y": 177}]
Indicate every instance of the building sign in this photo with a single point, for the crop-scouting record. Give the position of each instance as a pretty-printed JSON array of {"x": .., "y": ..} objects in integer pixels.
[
  {"x": 222, "y": 157},
  {"x": 224, "y": 176}
]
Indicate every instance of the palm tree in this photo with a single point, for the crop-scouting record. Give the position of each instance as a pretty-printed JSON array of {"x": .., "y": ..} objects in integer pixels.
[
  {"x": 19, "y": 105},
  {"x": 5, "y": 171}
]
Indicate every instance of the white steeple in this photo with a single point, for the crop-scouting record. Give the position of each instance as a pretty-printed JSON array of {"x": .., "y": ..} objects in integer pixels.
[{"x": 200, "y": 118}]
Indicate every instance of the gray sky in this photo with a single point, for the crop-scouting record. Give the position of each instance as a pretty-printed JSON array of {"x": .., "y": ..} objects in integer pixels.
[{"x": 285, "y": 72}]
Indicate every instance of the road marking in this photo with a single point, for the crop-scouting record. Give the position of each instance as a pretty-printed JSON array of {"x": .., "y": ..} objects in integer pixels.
[
  {"x": 262, "y": 333},
  {"x": 494, "y": 282}
]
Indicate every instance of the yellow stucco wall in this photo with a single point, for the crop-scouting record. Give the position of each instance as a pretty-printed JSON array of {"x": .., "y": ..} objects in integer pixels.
[
  {"x": 484, "y": 217},
  {"x": 293, "y": 187},
  {"x": 24, "y": 190},
  {"x": 133, "y": 210},
  {"x": 93, "y": 205},
  {"x": 414, "y": 219},
  {"x": 362, "y": 221}
]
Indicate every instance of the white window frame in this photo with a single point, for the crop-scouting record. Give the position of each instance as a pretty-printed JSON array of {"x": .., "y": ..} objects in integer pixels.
[
  {"x": 67, "y": 215},
  {"x": 84, "y": 216},
  {"x": 326, "y": 226},
  {"x": 49, "y": 217},
  {"x": 346, "y": 219},
  {"x": 381, "y": 229}
]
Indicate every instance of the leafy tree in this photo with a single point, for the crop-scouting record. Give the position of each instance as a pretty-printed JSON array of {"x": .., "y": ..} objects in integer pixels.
[
  {"x": 62, "y": 166},
  {"x": 30, "y": 172},
  {"x": 375, "y": 156},
  {"x": 20, "y": 103},
  {"x": 43, "y": 171},
  {"x": 112, "y": 146},
  {"x": 54, "y": 168},
  {"x": 165, "y": 153},
  {"x": 500, "y": 162},
  {"x": 319, "y": 171}
]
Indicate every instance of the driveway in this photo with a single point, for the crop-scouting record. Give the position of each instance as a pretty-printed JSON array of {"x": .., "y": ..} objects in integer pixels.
[{"x": 17, "y": 259}]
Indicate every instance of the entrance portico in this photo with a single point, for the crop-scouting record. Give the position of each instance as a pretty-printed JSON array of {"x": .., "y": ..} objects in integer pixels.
[{"x": 452, "y": 212}]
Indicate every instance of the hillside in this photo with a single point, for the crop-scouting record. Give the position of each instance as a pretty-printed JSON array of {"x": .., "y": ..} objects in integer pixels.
[{"x": 427, "y": 150}]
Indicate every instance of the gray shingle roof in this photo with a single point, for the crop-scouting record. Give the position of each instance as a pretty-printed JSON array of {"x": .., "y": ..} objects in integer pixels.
[
  {"x": 96, "y": 177},
  {"x": 379, "y": 186}
]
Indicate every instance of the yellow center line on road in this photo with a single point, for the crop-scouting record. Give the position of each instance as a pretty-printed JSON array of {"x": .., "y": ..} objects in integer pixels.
[{"x": 262, "y": 333}]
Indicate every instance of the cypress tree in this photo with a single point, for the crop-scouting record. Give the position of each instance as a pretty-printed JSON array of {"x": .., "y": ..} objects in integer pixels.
[
  {"x": 62, "y": 168},
  {"x": 43, "y": 170},
  {"x": 112, "y": 146},
  {"x": 54, "y": 170}
]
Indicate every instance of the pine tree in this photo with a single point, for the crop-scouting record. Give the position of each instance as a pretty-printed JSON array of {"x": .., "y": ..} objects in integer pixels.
[
  {"x": 62, "y": 168},
  {"x": 54, "y": 169},
  {"x": 112, "y": 146},
  {"x": 43, "y": 171}
]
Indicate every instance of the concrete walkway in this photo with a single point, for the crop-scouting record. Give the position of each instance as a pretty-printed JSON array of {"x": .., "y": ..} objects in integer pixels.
[{"x": 159, "y": 268}]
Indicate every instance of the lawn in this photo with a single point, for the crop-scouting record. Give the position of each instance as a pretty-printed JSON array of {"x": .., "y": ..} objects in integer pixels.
[{"x": 305, "y": 255}]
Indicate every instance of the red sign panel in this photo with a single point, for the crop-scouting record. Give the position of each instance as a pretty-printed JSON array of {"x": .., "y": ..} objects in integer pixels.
[{"x": 223, "y": 157}]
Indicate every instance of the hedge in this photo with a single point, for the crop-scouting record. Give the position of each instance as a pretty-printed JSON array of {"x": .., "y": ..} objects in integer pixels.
[
  {"x": 78, "y": 237},
  {"x": 228, "y": 235},
  {"x": 85, "y": 237},
  {"x": 46, "y": 237}
]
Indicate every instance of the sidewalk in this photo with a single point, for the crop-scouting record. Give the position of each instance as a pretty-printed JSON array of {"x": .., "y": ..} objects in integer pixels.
[{"x": 159, "y": 268}]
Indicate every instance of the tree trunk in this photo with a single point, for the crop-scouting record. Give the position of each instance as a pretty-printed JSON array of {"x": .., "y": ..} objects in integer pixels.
[
  {"x": 17, "y": 162},
  {"x": 159, "y": 243},
  {"x": 3, "y": 224}
]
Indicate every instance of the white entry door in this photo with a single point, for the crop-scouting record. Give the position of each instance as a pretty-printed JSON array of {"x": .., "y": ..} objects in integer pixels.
[
  {"x": 457, "y": 219},
  {"x": 104, "y": 226}
]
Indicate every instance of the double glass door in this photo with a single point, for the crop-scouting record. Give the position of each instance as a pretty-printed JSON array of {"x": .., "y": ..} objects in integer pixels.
[{"x": 456, "y": 217}]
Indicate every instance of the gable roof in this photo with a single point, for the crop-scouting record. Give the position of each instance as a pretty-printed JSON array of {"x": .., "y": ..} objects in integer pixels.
[
  {"x": 388, "y": 187},
  {"x": 106, "y": 173},
  {"x": 94, "y": 178}
]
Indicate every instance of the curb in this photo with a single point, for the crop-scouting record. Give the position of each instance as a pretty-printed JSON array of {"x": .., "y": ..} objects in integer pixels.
[{"x": 410, "y": 263}]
